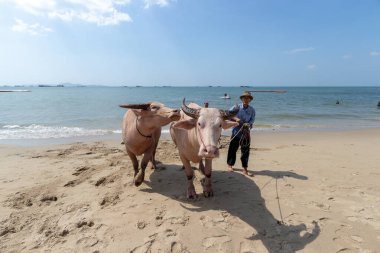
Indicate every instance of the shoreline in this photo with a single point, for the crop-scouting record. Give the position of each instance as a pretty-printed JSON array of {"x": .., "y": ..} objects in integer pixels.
[{"x": 165, "y": 135}]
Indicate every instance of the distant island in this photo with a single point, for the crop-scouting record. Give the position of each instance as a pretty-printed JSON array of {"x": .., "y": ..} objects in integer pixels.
[
  {"x": 61, "y": 85},
  {"x": 54, "y": 86}
]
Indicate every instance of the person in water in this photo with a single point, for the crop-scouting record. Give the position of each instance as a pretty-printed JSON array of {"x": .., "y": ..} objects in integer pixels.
[{"x": 241, "y": 133}]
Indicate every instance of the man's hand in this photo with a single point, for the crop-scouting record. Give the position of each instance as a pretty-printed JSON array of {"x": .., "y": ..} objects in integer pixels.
[{"x": 246, "y": 125}]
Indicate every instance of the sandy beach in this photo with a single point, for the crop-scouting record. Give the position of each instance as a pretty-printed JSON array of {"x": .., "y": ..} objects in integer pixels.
[{"x": 312, "y": 192}]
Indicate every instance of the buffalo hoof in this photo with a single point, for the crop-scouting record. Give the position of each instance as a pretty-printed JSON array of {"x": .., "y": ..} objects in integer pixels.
[
  {"x": 139, "y": 178},
  {"x": 207, "y": 188},
  {"x": 153, "y": 166},
  {"x": 191, "y": 194}
]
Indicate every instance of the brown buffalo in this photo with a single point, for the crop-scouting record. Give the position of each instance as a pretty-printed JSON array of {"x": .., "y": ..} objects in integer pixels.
[{"x": 142, "y": 130}]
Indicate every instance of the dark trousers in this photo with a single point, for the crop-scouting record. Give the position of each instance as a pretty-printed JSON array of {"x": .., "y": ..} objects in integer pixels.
[{"x": 244, "y": 143}]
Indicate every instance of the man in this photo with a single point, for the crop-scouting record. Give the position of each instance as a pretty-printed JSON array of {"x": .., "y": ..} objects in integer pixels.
[{"x": 241, "y": 133}]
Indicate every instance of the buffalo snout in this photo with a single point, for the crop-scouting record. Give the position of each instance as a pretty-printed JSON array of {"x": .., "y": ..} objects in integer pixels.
[
  {"x": 175, "y": 114},
  {"x": 209, "y": 151}
]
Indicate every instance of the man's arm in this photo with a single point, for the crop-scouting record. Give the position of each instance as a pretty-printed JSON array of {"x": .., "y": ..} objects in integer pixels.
[
  {"x": 234, "y": 109},
  {"x": 253, "y": 117}
]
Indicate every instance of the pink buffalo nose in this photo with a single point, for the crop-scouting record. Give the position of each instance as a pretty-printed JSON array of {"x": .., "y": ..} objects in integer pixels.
[{"x": 209, "y": 151}]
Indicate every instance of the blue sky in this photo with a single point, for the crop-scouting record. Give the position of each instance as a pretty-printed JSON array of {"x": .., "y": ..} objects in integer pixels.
[{"x": 190, "y": 42}]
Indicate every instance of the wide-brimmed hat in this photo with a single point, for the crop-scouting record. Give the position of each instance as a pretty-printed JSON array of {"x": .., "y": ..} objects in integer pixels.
[{"x": 246, "y": 94}]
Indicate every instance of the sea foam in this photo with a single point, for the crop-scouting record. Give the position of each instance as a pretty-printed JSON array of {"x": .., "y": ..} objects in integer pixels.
[{"x": 36, "y": 131}]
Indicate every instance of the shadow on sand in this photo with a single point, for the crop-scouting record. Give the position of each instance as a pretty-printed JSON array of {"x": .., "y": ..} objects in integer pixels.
[{"x": 244, "y": 201}]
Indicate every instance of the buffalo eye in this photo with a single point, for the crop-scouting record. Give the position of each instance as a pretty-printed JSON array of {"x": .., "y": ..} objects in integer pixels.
[{"x": 220, "y": 125}]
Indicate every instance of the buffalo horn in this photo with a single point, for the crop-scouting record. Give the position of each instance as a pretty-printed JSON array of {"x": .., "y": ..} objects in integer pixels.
[
  {"x": 226, "y": 114},
  {"x": 194, "y": 113},
  {"x": 136, "y": 106}
]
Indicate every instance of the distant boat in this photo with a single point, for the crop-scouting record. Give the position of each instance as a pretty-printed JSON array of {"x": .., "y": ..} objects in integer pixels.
[{"x": 14, "y": 90}]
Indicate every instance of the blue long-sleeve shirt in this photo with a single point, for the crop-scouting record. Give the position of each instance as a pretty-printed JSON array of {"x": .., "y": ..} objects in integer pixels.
[{"x": 246, "y": 115}]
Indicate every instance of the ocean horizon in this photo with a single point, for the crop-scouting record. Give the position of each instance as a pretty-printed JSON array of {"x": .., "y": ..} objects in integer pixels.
[{"x": 80, "y": 112}]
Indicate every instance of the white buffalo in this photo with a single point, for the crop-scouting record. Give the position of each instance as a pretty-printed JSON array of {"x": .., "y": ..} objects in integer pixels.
[
  {"x": 142, "y": 130},
  {"x": 196, "y": 135}
]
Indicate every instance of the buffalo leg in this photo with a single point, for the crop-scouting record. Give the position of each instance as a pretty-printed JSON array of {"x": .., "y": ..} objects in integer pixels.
[
  {"x": 157, "y": 135},
  {"x": 139, "y": 178},
  {"x": 202, "y": 167},
  {"x": 153, "y": 160},
  {"x": 191, "y": 194},
  {"x": 206, "y": 182},
  {"x": 135, "y": 163}
]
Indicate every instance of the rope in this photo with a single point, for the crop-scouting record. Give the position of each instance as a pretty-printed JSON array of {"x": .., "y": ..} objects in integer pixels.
[
  {"x": 278, "y": 202},
  {"x": 146, "y": 136},
  {"x": 243, "y": 138}
]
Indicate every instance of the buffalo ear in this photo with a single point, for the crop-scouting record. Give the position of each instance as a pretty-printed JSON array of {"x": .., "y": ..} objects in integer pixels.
[
  {"x": 185, "y": 124},
  {"x": 228, "y": 124},
  {"x": 140, "y": 113}
]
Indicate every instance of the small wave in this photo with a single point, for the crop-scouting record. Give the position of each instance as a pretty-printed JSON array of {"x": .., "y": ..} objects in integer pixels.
[
  {"x": 165, "y": 131},
  {"x": 11, "y": 126},
  {"x": 286, "y": 127},
  {"x": 35, "y": 131}
]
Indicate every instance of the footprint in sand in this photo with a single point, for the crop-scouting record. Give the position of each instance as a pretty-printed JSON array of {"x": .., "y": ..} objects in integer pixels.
[
  {"x": 109, "y": 199},
  {"x": 20, "y": 200},
  {"x": 85, "y": 223},
  {"x": 357, "y": 238},
  {"x": 164, "y": 241},
  {"x": 325, "y": 207},
  {"x": 80, "y": 170},
  {"x": 221, "y": 243},
  {"x": 160, "y": 216},
  {"x": 115, "y": 176},
  {"x": 71, "y": 183},
  {"x": 6, "y": 230},
  {"x": 48, "y": 198},
  {"x": 141, "y": 224},
  {"x": 221, "y": 221},
  {"x": 252, "y": 247},
  {"x": 87, "y": 242},
  {"x": 100, "y": 181}
]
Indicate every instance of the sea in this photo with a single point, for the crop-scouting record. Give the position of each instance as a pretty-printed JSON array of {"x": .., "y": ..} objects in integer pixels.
[{"x": 49, "y": 114}]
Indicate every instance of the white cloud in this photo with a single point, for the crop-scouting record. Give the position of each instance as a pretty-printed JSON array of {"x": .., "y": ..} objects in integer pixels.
[
  {"x": 299, "y": 50},
  {"x": 347, "y": 56},
  {"x": 161, "y": 3},
  {"x": 36, "y": 7},
  {"x": 100, "y": 12},
  {"x": 374, "y": 53},
  {"x": 32, "y": 29},
  {"x": 311, "y": 67}
]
